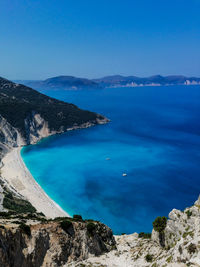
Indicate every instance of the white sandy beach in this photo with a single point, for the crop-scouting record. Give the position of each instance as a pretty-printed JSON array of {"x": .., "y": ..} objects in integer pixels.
[{"x": 15, "y": 172}]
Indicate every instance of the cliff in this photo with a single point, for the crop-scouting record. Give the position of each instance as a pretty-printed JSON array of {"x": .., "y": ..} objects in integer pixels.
[
  {"x": 177, "y": 243},
  {"x": 51, "y": 243}
]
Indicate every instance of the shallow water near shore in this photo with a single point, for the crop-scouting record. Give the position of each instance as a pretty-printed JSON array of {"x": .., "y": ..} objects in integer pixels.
[{"x": 153, "y": 137}]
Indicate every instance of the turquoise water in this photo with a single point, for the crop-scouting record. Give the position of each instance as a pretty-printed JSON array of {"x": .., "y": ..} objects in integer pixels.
[{"x": 153, "y": 136}]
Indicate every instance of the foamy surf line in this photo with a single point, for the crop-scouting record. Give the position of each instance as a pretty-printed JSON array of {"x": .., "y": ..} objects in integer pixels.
[{"x": 15, "y": 172}]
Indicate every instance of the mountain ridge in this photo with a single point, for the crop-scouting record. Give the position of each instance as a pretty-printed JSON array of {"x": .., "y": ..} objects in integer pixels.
[{"x": 75, "y": 83}]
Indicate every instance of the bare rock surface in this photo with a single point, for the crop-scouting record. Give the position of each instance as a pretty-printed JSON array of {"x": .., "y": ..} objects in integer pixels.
[
  {"x": 48, "y": 244},
  {"x": 182, "y": 245}
]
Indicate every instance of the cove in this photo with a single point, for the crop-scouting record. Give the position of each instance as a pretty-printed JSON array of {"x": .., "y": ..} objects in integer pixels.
[{"x": 153, "y": 137}]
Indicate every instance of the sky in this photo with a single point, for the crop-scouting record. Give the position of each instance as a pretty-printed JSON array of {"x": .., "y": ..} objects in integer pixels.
[{"x": 94, "y": 38}]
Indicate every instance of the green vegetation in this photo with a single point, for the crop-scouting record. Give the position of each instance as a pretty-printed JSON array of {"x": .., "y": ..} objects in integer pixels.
[
  {"x": 17, "y": 205},
  {"x": 6, "y": 215},
  {"x": 169, "y": 259},
  {"x": 18, "y": 103},
  {"x": 159, "y": 224},
  {"x": 144, "y": 235},
  {"x": 188, "y": 233},
  {"x": 189, "y": 213},
  {"x": 180, "y": 249},
  {"x": 77, "y": 217},
  {"x": 149, "y": 258},
  {"x": 91, "y": 228},
  {"x": 65, "y": 225},
  {"x": 25, "y": 228},
  {"x": 191, "y": 248}
]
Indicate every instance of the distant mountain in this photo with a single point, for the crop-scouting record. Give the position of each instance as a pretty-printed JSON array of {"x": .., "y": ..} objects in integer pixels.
[
  {"x": 74, "y": 83},
  {"x": 64, "y": 82},
  {"x": 132, "y": 81}
]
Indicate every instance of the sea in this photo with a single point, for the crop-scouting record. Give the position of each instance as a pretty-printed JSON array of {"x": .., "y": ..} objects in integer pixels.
[{"x": 141, "y": 165}]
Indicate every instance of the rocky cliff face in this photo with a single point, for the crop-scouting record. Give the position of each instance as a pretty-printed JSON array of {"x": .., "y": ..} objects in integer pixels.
[
  {"x": 47, "y": 244},
  {"x": 181, "y": 246},
  {"x": 9, "y": 136}
]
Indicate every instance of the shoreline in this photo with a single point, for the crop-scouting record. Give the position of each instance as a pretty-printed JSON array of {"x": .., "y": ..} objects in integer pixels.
[{"x": 17, "y": 175}]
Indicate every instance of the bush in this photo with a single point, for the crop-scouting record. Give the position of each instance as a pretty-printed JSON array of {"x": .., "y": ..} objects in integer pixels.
[
  {"x": 25, "y": 228},
  {"x": 91, "y": 227},
  {"x": 16, "y": 204},
  {"x": 65, "y": 225},
  {"x": 189, "y": 213},
  {"x": 169, "y": 259},
  {"x": 192, "y": 248},
  {"x": 149, "y": 258},
  {"x": 144, "y": 235},
  {"x": 159, "y": 224},
  {"x": 78, "y": 217},
  {"x": 7, "y": 215}
]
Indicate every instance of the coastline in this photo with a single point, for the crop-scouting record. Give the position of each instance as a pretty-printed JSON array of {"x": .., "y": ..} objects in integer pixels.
[{"x": 17, "y": 175}]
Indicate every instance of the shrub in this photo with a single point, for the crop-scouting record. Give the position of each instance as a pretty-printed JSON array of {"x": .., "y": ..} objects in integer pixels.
[
  {"x": 6, "y": 214},
  {"x": 77, "y": 217},
  {"x": 180, "y": 249},
  {"x": 25, "y": 228},
  {"x": 191, "y": 248},
  {"x": 16, "y": 204},
  {"x": 149, "y": 258},
  {"x": 159, "y": 224},
  {"x": 169, "y": 259},
  {"x": 91, "y": 227},
  {"x": 65, "y": 225},
  {"x": 189, "y": 213},
  {"x": 144, "y": 235}
]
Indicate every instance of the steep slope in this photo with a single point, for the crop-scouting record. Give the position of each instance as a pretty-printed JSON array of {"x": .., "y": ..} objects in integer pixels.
[
  {"x": 176, "y": 242},
  {"x": 42, "y": 243},
  {"x": 27, "y": 115}
]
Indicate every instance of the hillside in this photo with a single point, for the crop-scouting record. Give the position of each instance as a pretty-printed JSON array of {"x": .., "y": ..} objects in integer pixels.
[
  {"x": 29, "y": 115},
  {"x": 74, "y": 83},
  {"x": 64, "y": 82}
]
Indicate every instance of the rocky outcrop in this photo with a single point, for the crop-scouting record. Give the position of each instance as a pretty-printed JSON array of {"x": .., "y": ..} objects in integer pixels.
[
  {"x": 9, "y": 136},
  {"x": 47, "y": 244},
  {"x": 36, "y": 128},
  {"x": 181, "y": 247}
]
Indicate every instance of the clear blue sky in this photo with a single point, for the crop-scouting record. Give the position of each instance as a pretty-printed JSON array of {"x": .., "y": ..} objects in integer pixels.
[{"x": 93, "y": 38}]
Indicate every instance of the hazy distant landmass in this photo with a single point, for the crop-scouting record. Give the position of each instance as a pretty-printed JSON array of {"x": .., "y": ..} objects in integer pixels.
[
  {"x": 75, "y": 83},
  {"x": 65, "y": 82}
]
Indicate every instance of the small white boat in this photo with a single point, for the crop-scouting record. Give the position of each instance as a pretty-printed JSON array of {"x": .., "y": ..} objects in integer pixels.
[
  {"x": 124, "y": 174},
  {"x": 107, "y": 158}
]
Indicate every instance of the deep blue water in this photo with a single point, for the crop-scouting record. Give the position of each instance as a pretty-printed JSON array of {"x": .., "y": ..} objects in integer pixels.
[{"x": 154, "y": 137}]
